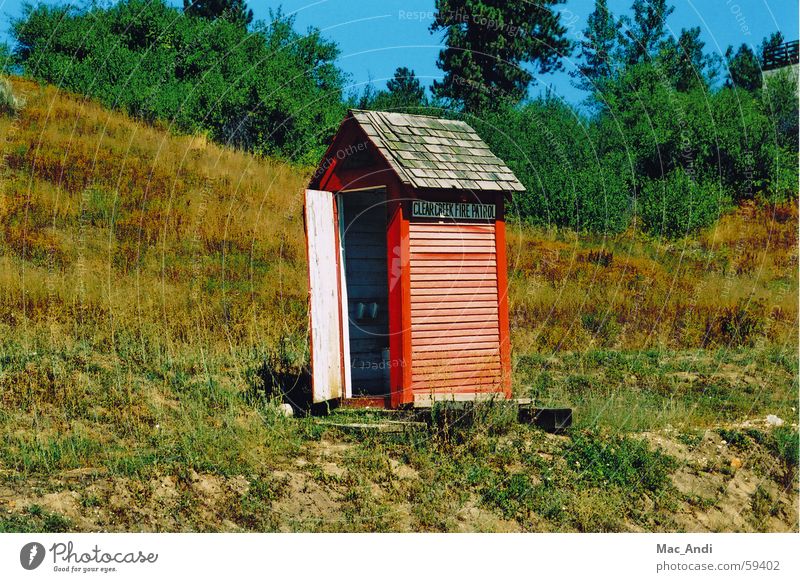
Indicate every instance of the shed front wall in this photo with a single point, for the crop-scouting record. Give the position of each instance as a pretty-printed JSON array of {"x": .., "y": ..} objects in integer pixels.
[{"x": 458, "y": 322}]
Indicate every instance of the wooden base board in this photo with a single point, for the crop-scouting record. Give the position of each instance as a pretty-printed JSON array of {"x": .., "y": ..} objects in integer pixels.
[
  {"x": 381, "y": 427},
  {"x": 428, "y": 400},
  {"x": 365, "y": 402}
]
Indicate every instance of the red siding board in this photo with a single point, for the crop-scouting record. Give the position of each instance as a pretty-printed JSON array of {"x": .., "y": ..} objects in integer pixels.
[
  {"x": 405, "y": 259},
  {"x": 502, "y": 291},
  {"x": 455, "y": 324}
]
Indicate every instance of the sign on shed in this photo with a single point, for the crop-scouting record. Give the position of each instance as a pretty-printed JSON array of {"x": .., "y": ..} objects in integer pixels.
[{"x": 407, "y": 264}]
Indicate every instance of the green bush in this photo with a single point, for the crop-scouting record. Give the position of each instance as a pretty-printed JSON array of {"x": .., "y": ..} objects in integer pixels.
[
  {"x": 549, "y": 146},
  {"x": 33, "y": 520},
  {"x": 744, "y": 142},
  {"x": 679, "y": 205},
  {"x": 619, "y": 461},
  {"x": 785, "y": 444},
  {"x": 779, "y": 104},
  {"x": 268, "y": 89},
  {"x": 735, "y": 438}
]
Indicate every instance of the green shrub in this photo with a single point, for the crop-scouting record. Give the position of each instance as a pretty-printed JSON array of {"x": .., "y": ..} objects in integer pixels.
[
  {"x": 735, "y": 438},
  {"x": 679, "y": 205},
  {"x": 549, "y": 146},
  {"x": 785, "y": 445},
  {"x": 268, "y": 89},
  {"x": 34, "y": 520},
  {"x": 619, "y": 461}
]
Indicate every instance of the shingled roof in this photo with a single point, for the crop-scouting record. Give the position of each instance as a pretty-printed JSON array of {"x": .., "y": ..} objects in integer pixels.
[{"x": 428, "y": 152}]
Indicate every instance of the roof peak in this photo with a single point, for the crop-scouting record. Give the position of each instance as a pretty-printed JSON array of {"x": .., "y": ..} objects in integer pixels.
[
  {"x": 432, "y": 152},
  {"x": 383, "y": 111}
]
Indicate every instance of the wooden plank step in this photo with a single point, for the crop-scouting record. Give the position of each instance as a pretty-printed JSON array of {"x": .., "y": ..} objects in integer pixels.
[{"x": 381, "y": 427}]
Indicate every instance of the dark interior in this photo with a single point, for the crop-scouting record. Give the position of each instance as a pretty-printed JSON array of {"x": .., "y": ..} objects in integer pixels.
[{"x": 364, "y": 243}]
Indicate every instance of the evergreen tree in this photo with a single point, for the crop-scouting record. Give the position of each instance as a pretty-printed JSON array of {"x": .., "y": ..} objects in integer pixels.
[
  {"x": 643, "y": 35},
  {"x": 744, "y": 70},
  {"x": 403, "y": 91},
  {"x": 683, "y": 60},
  {"x": 405, "y": 88},
  {"x": 488, "y": 44},
  {"x": 598, "y": 49},
  {"x": 235, "y": 11},
  {"x": 773, "y": 41}
]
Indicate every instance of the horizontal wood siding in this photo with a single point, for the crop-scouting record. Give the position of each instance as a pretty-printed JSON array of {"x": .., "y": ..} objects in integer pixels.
[{"x": 455, "y": 329}]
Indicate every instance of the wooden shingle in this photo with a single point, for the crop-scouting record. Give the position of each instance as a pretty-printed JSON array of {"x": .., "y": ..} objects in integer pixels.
[{"x": 427, "y": 152}]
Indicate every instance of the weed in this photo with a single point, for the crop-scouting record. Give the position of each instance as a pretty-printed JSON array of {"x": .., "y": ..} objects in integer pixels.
[
  {"x": 763, "y": 506},
  {"x": 756, "y": 435},
  {"x": 283, "y": 376},
  {"x": 620, "y": 461},
  {"x": 603, "y": 327},
  {"x": 34, "y": 520},
  {"x": 738, "y": 325},
  {"x": 254, "y": 510},
  {"x": 690, "y": 438},
  {"x": 514, "y": 496},
  {"x": 785, "y": 444},
  {"x": 90, "y": 500},
  {"x": 735, "y": 438}
]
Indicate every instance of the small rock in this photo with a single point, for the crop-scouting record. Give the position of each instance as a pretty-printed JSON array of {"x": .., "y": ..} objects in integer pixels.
[
  {"x": 286, "y": 410},
  {"x": 736, "y": 463},
  {"x": 773, "y": 420}
]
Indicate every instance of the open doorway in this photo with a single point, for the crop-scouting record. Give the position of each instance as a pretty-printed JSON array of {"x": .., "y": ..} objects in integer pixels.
[{"x": 362, "y": 224}]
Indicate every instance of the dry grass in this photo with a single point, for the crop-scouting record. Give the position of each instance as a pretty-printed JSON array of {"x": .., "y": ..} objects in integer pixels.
[
  {"x": 143, "y": 274},
  {"x": 119, "y": 226},
  {"x": 126, "y": 228},
  {"x": 735, "y": 285}
]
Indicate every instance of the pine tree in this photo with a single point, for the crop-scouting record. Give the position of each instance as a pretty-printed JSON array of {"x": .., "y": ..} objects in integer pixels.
[
  {"x": 744, "y": 70},
  {"x": 598, "y": 50},
  {"x": 403, "y": 91},
  {"x": 773, "y": 41},
  {"x": 643, "y": 35},
  {"x": 683, "y": 61},
  {"x": 405, "y": 88},
  {"x": 489, "y": 42}
]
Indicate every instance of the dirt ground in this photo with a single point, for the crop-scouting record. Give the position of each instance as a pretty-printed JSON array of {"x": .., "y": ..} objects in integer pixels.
[{"x": 720, "y": 487}]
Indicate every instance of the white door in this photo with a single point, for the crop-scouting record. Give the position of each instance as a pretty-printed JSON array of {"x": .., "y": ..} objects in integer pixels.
[{"x": 324, "y": 303}]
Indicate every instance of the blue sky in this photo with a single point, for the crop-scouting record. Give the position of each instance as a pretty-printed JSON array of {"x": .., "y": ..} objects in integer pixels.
[{"x": 377, "y": 36}]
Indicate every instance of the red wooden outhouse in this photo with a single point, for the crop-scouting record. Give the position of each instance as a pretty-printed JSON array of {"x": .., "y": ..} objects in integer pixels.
[{"x": 407, "y": 263}]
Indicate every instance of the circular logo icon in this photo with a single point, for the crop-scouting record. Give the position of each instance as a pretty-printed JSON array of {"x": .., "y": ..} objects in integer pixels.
[{"x": 31, "y": 555}]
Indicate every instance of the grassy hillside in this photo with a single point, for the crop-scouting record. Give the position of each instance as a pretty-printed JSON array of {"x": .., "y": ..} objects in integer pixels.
[{"x": 146, "y": 276}]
